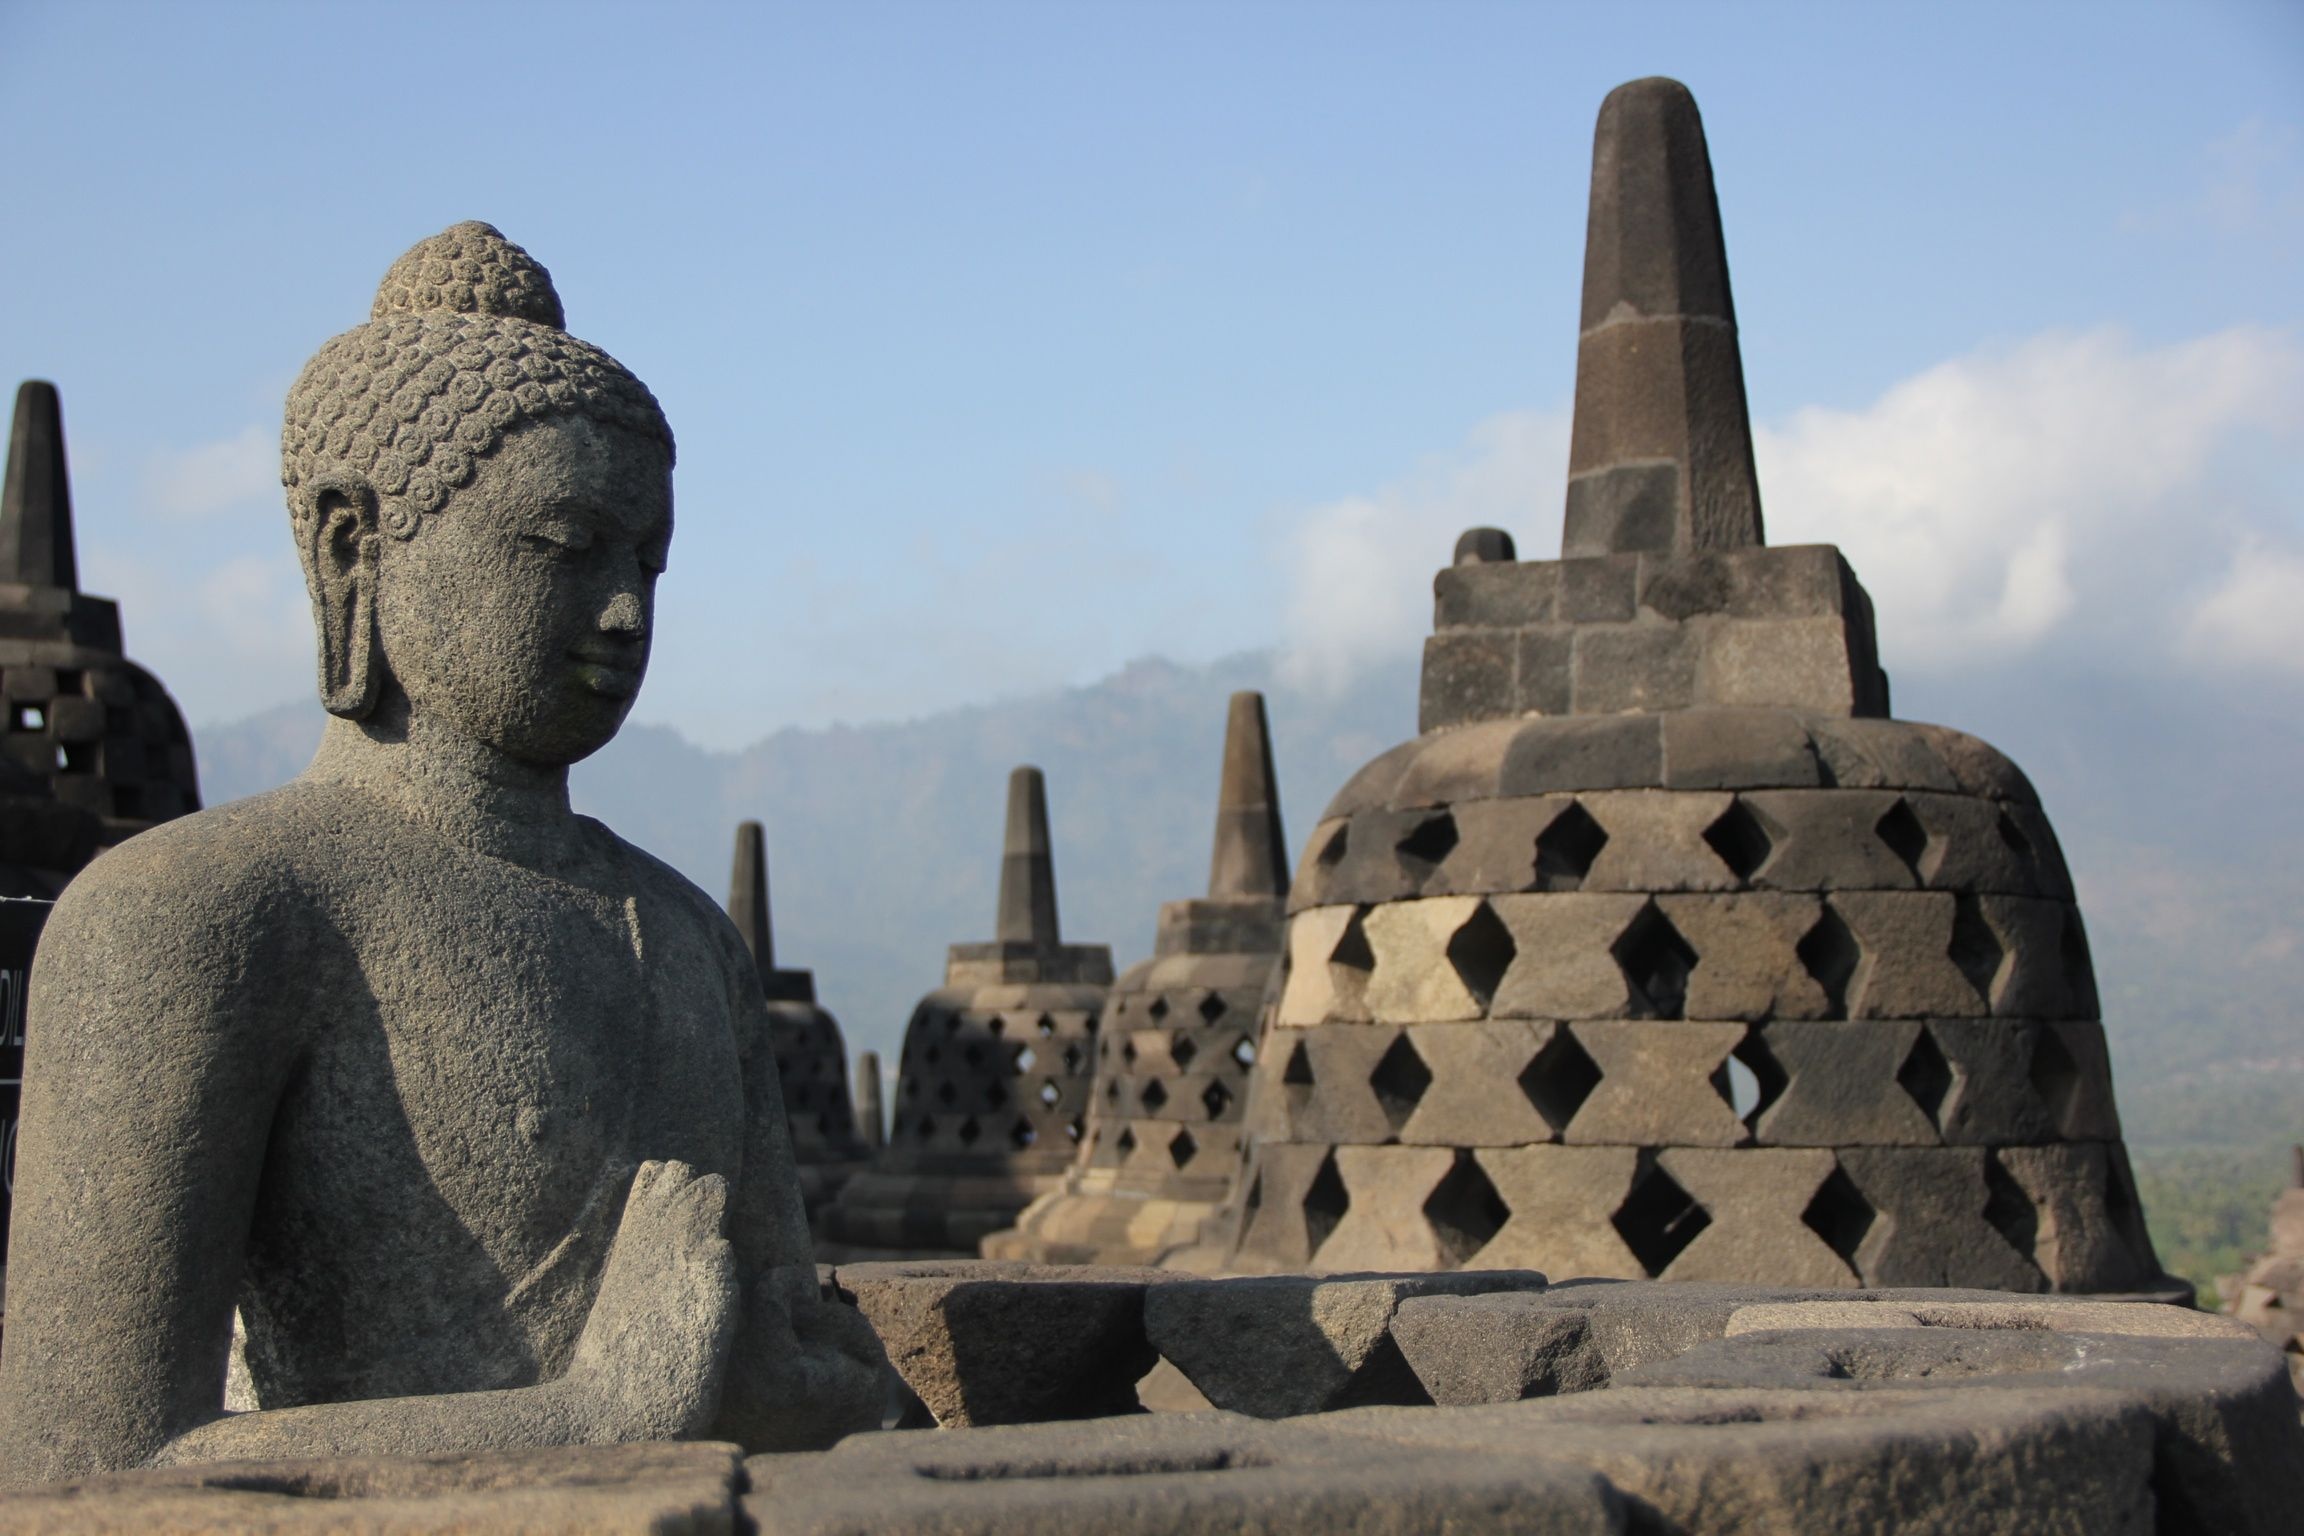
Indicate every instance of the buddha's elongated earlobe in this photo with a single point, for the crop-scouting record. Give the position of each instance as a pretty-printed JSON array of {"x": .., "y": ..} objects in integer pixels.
[{"x": 340, "y": 556}]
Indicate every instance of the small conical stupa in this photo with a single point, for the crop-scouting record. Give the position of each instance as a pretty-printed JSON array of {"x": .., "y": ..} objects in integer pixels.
[
  {"x": 992, "y": 1087},
  {"x": 1664, "y": 951},
  {"x": 811, "y": 1059},
  {"x": 94, "y": 748},
  {"x": 1176, "y": 1044}
]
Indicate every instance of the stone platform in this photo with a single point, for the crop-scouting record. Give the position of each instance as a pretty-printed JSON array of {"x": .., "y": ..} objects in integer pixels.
[{"x": 1469, "y": 1401}]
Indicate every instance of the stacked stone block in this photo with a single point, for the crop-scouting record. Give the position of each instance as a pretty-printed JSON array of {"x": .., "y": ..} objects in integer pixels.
[
  {"x": 1176, "y": 1045},
  {"x": 811, "y": 1058},
  {"x": 993, "y": 1083},
  {"x": 92, "y": 749},
  {"x": 1663, "y": 952}
]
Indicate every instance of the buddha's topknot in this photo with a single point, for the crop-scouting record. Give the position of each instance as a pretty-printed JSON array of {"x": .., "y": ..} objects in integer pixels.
[
  {"x": 465, "y": 344},
  {"x": 469, "y": 268}
]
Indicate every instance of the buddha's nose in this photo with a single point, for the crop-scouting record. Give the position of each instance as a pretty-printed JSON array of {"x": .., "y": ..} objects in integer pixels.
[{"x": 624, "y": 616}]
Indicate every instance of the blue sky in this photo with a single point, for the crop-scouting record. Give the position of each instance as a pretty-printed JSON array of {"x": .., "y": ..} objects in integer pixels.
[{"x": 1008, "y": 342}]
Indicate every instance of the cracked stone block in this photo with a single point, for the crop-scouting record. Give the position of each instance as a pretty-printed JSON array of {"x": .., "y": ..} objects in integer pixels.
[
  {"x": 1561, "y": 1199},
  {"x": 1748, "y": 963},
  {"x": 1563, "y": 966},
  {"x": 1842, "y": 1087},
  {"x": 1006, "y": 1343},
  {"x": 1907, "y": 970},
  {"x": 1413, "y": 981},
  {"x": 1932, "y": 1229},
  {"x": 1656, "y": 842},
  {"x": 1757, "y": 1200},
  {"x": 1281, "y": 1345},
  {"x": 1738, "y": 749},
  {"x": 1659, "y": 1084},
  {"x": 1469, "y": 1063}
]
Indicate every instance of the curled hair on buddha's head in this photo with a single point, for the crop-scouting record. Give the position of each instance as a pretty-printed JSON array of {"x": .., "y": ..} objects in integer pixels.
[{"x": 463, "y": 345}]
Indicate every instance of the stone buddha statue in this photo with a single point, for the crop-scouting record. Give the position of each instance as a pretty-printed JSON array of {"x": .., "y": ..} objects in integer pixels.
[{"x": 464, "y": 1103}]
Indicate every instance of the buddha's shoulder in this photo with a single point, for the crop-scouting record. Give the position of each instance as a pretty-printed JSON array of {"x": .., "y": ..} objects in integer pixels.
[
  {"x": 662, "y": 887},
  {"x": 272, "y": 841}
]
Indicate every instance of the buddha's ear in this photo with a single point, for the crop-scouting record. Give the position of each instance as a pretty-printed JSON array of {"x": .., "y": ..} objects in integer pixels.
[{"x": 340, "y": 539}]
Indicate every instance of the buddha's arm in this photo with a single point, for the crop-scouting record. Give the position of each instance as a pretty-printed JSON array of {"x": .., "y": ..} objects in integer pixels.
[
  {"x": 148, "y": 1098},
  {"x": 163, "y": 1030},
  {"x": 804, "y": 1371}
]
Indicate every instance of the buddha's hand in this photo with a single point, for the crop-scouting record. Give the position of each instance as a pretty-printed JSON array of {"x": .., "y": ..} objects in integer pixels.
[
  {"x": 810, "y": 1370},
  {"x": 654, "y": 1352}
]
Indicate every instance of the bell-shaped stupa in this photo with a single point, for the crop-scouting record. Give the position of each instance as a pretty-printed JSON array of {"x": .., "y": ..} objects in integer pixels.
[
  {"x": 811, "y": 1059},
  {"x": 1664, "y": 951},
  {"x": 992, "y": 1087},
  {"x": 95, "y": 750},
  {"x": 1176, "y": 1044}
]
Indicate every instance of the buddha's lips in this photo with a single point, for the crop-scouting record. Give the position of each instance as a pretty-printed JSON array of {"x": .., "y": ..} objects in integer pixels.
[{"x": 617, "y": 676}]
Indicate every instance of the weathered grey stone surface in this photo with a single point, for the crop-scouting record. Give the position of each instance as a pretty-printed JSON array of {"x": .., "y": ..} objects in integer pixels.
[
  {"x": 671, "y": 1489},
  {"x": 1706, "y": 1410},
  {"x": 1175, "y": 1044},
  {"x": 992, "y": 1089},
  {"x": 92, "y": 749},
  {"x": 1008, "y": 1343},
  {"x": 811, "y": 1057},
  {"x": 466, "y": 1105},
  {"x": 1663, "y": 951},
  {"x": 1167, "y": 1476},
  {"x": 1280, "y": 1345}
]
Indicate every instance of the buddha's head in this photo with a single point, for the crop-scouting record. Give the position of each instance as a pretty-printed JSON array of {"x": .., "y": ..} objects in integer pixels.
[{"x": 482, "y": 504}]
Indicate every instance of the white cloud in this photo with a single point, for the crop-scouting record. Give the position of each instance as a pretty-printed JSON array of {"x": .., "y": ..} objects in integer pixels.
[
  {"x": 1358, "y": 572},
  {"x": 2065, "y": 482},
  {"x": 2255, "y": 615},
  {"x": 216, "y": 477},
  {"x": 2074, "y": 486}
]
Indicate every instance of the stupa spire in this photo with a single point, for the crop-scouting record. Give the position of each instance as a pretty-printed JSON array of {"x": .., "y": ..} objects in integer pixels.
[
  {"x": 36, "y": 504},
  {"x": 1027, "y": 868},
  {"x": 748, "y": 895},
  {"x": 1660, "y": 457},
  {"x": 1251, "y": 856}
]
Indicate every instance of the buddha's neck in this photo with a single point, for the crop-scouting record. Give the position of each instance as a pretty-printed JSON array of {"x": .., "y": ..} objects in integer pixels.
[{"x": 464, "y": 790}]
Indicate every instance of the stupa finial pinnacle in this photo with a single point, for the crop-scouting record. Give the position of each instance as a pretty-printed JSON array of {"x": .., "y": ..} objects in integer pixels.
[
  {"x": 36, "y": 505},
  {"x": 748, "y": 895},
  {"x": 1251, "y": 857},
  {"x": 1660, "y": 458},
  {"x": 1027, "y": 867}
]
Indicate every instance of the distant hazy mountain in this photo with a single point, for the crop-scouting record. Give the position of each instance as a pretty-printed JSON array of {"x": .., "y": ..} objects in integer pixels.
[{"x": 884, "y": 841}]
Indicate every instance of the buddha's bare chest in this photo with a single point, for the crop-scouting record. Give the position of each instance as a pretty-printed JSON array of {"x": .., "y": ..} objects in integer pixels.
[{"x": 507, "y": 1047}]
